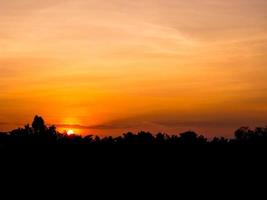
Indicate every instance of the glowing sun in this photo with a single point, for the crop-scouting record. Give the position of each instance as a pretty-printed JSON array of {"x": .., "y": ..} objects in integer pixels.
[{"x": 70, "y": 132}]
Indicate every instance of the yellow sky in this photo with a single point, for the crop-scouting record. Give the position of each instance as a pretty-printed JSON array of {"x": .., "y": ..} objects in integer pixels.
[{"x": 107, "y": 67}]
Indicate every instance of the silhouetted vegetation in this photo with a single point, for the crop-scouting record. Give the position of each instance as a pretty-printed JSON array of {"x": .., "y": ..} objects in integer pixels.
[{"x": 40, "y": 134}]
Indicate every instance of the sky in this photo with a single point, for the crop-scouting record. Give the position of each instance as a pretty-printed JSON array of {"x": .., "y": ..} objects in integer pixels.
[{"x": 108, "y": 67}]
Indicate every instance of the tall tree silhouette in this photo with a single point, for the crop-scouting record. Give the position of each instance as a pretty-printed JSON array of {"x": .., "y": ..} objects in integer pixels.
[{"x": 38, "y": 125}]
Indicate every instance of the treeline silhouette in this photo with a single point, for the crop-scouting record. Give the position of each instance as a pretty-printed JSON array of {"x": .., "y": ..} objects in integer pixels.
[
  {"x": 128, "y": 161},
  {"x": 40, "y": 134}
]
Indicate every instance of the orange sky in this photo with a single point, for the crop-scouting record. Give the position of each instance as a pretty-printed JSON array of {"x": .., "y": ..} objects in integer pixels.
[{"x": 106, "y": 67}]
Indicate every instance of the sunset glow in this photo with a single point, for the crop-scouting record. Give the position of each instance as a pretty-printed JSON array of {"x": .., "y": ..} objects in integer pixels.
[
  {"x": 70, "y": 132},
  {"x": 107, "y": 67}
]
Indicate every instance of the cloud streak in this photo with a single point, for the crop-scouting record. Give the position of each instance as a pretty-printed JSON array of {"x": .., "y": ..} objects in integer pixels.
[{"x": 94, "y": 127}]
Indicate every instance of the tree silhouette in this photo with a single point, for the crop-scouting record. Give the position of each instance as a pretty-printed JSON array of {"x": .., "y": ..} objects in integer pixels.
[
  {"x": 189, "y": 137},
  {"x": 38, "y": 125},
  {"x": 219, "y": 141}
]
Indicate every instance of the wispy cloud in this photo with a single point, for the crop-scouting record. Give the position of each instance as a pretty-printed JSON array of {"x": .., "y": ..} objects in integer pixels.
[
  {"x": 172, "y": 123},
  {"x": 6, "y": 72},
  {"x": 122, "y": 123},
  {"x": 94, "y": 127}
]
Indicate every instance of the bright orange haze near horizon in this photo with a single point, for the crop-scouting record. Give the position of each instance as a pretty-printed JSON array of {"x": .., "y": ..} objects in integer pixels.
[{"x": 107, "y": 67}]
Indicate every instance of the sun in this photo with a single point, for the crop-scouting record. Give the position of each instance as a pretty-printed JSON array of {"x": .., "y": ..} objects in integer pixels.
[{"x": 70, "y": 132}]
